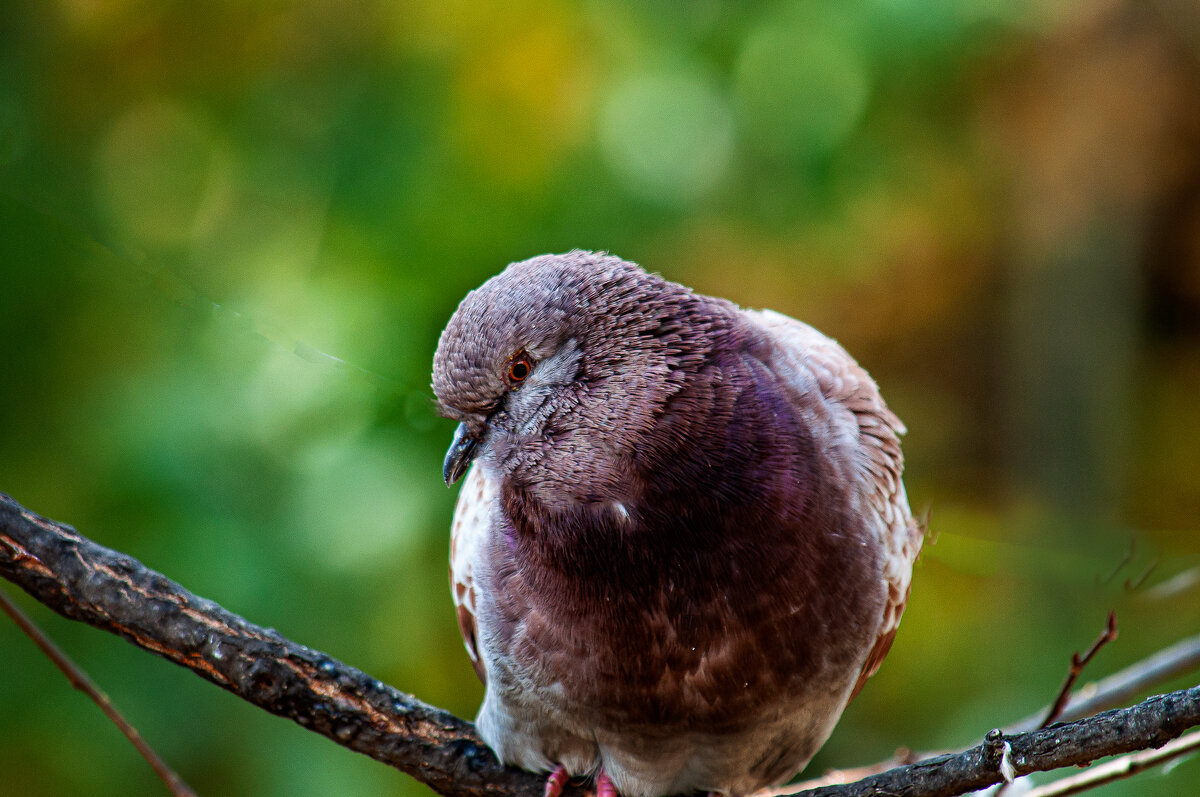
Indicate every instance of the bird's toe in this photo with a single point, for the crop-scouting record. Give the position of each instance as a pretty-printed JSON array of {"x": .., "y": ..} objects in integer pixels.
[
  {"x": 556, "y": 781},
  {"x": 604, "y": 785}
]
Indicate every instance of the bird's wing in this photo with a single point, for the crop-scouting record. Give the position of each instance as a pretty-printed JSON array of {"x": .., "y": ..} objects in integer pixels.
[
  {"x": 472, "y": 518},
  {"x": 860, "y": 421}
]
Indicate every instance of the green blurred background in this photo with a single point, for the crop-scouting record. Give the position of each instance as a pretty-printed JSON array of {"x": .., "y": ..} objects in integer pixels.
[{"x": 994, "y": 205}]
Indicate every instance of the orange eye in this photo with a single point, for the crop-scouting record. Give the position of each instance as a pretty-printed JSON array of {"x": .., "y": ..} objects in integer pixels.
[{"x": 520, "y": 367}]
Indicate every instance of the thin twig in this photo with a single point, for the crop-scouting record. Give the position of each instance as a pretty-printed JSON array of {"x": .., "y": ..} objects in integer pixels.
[
  {"x": 1119, "y": 769},
  {"x": 80, "y": 680},
  {"x": 1077, "y": 664},
  {"x": 1121, "y": 687},
  {"x": 1126, "y": 559},
  {"x": 1132, "y": 586}
]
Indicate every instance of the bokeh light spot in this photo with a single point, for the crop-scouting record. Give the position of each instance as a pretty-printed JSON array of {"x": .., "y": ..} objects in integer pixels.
[
  {"x": 800, "y": 90},
  {"x": 155, "y": 170},
  {"x": 667, "y": 136},
  {"x": 367, "y": 511},
  {"x": 521, "y": 102}
]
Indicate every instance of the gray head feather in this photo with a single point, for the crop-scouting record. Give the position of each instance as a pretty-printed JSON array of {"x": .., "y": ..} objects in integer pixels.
[{"x": 609, "y": 345}]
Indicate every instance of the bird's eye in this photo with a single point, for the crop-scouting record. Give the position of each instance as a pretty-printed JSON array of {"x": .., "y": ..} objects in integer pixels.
[{"x": 519, "y": 367}]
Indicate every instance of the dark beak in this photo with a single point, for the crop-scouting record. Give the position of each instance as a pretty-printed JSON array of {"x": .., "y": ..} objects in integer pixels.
[{"x": 461, "y": 452}]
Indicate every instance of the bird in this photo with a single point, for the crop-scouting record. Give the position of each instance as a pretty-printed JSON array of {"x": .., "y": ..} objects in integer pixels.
[{"x": 684, "y": 543}]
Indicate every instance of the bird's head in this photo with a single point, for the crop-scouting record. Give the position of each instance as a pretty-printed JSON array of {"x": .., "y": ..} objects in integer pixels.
[{"x": 561, "y": 355}]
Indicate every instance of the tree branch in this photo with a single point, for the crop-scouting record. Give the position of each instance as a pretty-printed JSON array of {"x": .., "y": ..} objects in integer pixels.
[
  {"x": 87, "y": 582},
  {"x": 1119, "y": 768},
  {"x": 1151, "y": 723},
  {"x": 93, "y": 584},
  {"x": 1108, "y": 692}
]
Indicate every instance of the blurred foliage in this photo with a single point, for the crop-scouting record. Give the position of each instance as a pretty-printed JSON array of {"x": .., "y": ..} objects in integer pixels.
[{"x": 994, "y": 205}]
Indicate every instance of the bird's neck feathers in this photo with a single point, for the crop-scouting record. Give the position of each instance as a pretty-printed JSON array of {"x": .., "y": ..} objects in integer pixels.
[
  {"x": 641, "y": 343},
  {"x": 710, "y": 464},
  {"x": 668, "y": 437}
]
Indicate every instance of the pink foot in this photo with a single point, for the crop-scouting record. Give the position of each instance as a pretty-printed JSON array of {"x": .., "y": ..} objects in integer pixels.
[
  {"x": 604, "y": 786},
  {"x": 554, "y": 784}
]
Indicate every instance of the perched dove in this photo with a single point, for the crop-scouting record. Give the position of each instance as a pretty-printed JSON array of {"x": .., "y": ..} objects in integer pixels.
[{"x": 685, "y": 543}]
